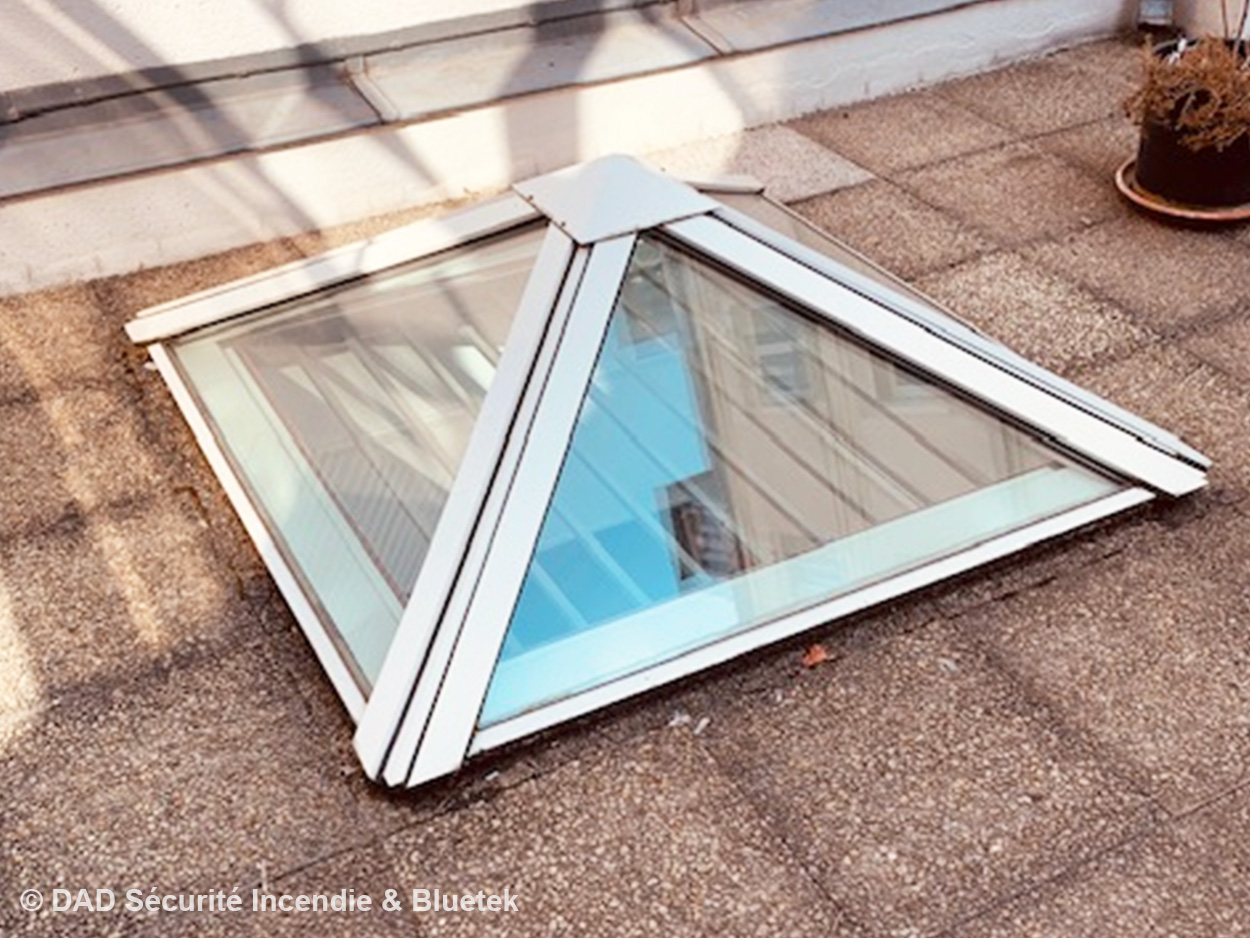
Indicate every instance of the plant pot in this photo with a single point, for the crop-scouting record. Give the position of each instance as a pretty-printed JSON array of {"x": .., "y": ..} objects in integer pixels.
[
  {"x": 1170, "y": 170},
  {"x": 1207, "y": 178}
]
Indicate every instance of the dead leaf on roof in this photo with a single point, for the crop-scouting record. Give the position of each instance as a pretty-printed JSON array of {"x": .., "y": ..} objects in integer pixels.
[{"x": 815, "y": 655}]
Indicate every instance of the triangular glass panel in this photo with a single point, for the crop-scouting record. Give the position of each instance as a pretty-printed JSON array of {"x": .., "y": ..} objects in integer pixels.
[
  {"x": 345, "y": 416},
  {"x": 735, "y": 460}
]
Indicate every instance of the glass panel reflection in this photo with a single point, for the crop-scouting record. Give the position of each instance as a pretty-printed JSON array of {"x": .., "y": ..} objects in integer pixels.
[
  {"x": 734, "y": 461},
  {"x": 346, "y": 417}
]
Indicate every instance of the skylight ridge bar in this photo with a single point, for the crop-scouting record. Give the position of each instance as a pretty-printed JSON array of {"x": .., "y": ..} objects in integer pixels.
[
  {"x": 984, "y": 378},
  {"x": 557, "y": 263},
  {"x": 488, "y": 613},
  {"x": 409, "y": 736},
  {"x": 953, "y": 329}
]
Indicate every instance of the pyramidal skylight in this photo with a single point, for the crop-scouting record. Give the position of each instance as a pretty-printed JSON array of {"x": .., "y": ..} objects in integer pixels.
[{"x": 607, "y": 431}]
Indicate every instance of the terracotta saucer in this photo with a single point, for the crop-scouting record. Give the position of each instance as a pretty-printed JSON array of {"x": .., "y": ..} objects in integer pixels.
[{"x": 1126, "y": 182}]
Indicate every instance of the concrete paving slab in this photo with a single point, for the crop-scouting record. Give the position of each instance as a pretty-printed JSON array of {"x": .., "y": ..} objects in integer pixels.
[
  {"x": 56, "y": 339},
  {"x": 1170, "y": 387},
  {"x": 1143, "y": 656},
  {"x": 102, "y": 598},
  {"x": 902, "y": 132},
  {"x": 1225, "y": 346},
  {"x": 1100, "y": 147},
  {"x": 790, "y": 166},
  {"x": 173, "y": 126},
  {"x": 1163, "y": 274},
  {"x": 665, "y": 845},
  {"x": 894, "y": 228},
  {"x": 1166, "y": 883},
  {"x": 1048, "y": 94},
  {"x": 1016, "y": 193},
  {"x": 192, "y": 777},
  {"x": 1042, "y": 316},
  {"x": 68, "y": 453},
  {"x": 917, "y": 784}
]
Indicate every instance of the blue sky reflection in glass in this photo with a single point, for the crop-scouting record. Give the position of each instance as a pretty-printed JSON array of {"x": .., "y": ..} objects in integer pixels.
[{"x": 736, "y": 459}]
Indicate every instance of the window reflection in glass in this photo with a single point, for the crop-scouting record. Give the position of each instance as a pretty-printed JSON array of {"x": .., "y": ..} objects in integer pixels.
[{"x": 346, "y": 417}]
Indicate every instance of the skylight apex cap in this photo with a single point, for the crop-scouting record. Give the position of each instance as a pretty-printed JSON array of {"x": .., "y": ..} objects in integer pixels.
[{"x": 611, "y": 196}]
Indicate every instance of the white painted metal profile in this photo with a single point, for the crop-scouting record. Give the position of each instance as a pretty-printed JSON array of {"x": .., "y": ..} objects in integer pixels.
[
  {"x": 350, "y": 262},
  {"x": 421, "y": 718},
  {"x": 503, "y": 416}
]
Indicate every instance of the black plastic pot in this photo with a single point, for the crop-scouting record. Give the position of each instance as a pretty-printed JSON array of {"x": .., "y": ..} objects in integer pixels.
[{"x": 1209, "y": 177}]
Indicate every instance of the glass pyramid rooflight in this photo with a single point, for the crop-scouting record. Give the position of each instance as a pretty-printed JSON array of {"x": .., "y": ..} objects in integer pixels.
[{"x": 605, "y": 432}]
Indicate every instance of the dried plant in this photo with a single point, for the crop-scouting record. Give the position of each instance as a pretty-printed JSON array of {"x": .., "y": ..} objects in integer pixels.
[{"x": 1201, "y": 88}]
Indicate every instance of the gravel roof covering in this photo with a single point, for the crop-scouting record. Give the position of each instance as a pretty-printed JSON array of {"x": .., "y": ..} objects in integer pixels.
[{"x": 1058, "y": 745}]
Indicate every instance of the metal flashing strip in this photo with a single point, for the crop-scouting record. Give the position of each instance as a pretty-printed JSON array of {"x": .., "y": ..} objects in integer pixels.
[
  {"x": 746, "y": 25},
  {"x": 76, "y": 132},
  {"x": 176, "y": 125},
  {"x": 433, "y": 24},
  {"x": 424, "y": 80}
]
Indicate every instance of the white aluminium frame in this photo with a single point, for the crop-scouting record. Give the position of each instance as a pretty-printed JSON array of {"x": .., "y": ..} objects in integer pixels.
[
  {"x": 451, "y": 732},
  {"x": 421, "y": 719}
]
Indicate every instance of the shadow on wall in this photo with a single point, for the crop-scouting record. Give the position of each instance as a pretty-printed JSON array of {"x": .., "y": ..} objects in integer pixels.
[
  {"x": 240, "y": 194},
  {"x": 250, "y": 198}
]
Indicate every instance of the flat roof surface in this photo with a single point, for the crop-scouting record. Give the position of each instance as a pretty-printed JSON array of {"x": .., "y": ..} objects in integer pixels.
[{"x": 1058, "y": 745}]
